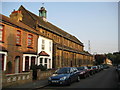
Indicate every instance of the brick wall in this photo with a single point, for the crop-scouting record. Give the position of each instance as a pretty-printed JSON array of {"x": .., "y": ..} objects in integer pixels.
[
  {"x": 44, "y": 74},
  {"x": 15, "y": 50},
  {"x": 16, "y": 79}
]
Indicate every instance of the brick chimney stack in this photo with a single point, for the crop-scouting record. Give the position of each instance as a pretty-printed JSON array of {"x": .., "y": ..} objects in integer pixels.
[{"x": 16, "y": 15}]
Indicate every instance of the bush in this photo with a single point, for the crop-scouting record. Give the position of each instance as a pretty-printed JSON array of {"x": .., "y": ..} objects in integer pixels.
[
  {"x": 42, "y": 68},
  {"x": 34, "y": 67}
]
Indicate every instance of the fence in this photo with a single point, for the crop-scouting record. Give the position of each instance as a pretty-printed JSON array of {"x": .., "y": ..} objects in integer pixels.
[{"x": 16, "y": 79}]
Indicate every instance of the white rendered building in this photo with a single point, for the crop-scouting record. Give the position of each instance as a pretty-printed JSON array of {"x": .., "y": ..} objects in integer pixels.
[{"x": 45, "y": 52}]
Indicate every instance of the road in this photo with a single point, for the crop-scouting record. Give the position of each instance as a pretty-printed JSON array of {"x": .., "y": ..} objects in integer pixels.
[{"x": 104, "y": 79}]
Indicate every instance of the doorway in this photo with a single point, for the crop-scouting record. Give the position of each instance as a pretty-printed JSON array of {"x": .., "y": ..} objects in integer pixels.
[{"x": 17, "y": 64}]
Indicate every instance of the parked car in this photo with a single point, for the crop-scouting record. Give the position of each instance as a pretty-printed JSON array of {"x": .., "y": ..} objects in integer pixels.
[
  {"x": 64, "y": 76},
  {"x": 118, "y": 71},
  {"x": 118, "y": 67},
  {"x": 84, "y": 72},
  {"x": 105, "y": 66},
  {"x": 91, "y": 71},
  {"x": 99, "y": 68},
  {"x": 95, "y": 68}
]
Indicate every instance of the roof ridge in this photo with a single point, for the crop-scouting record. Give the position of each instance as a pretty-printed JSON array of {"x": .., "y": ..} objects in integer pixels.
[
  {"x": 48, "y": 25},
  {"x": 19, "y": 24},
  {"x": 27, "y": 11}
]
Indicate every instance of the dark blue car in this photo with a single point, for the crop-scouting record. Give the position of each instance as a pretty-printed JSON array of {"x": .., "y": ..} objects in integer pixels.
[{"x": 64, "y": 76}]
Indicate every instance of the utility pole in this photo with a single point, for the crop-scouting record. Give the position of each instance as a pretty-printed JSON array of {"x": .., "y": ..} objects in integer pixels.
[{"x": 89, "y": 47}]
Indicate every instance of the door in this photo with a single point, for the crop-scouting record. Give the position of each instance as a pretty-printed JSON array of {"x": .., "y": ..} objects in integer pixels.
[
  {"x": 17, "y": 60},
  {"x": 32, "y": 61},
  {"x": 26, "y": 63},
  {"x": 2, "y": 61}
]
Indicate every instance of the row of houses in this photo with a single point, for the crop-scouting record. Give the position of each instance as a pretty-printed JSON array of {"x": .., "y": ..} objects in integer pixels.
[{"x": 27, "y": 39}]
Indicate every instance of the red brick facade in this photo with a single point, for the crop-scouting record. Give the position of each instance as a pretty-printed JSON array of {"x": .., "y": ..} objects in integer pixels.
[{"x": 14, "y": 50}]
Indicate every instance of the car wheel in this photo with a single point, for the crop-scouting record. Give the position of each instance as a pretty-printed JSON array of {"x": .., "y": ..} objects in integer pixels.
[
  {"x": 84, "y": 76},
  {"x": 78, "y": 78},
  {"x": 69, "y": 82}
]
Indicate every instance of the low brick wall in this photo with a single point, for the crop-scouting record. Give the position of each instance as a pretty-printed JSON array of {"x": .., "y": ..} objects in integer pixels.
[
  {"x": 44, "y": 74},
  {"x": 16, "y": 79}
]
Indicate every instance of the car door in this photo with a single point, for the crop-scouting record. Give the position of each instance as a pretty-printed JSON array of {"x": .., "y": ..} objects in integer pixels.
[
  {"x": 75, "y": 74},
  {"x": 71, "y": 74}
]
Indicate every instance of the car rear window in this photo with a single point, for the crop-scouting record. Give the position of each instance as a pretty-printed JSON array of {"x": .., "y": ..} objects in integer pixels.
[{"x": 63, "y": 71}]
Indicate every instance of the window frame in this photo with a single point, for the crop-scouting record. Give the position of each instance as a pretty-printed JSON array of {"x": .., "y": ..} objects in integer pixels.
[
  {"x": 43, "y": 44},
  {"x": 31, "y": 45},
  {"x": 19, "y": 44},
  {"x": 2, "y": 33}
]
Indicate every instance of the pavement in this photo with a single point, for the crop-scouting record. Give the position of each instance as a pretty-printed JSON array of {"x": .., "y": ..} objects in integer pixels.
[{"x": 31, "y": 85}]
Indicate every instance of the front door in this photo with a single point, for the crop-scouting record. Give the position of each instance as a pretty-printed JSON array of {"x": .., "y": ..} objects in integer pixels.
[
  {"x": 32, "y": 61},
  {"x": 2, "y": 61},
  {"x": 26, "y": 63},
  {"x": 17, "y": 60}
]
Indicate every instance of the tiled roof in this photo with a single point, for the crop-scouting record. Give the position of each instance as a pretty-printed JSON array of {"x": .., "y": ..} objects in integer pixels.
[
  {"x": 43, "y": 53},
  {"x": 32, "y": 20},
  {"x": 8, "y": 20}
]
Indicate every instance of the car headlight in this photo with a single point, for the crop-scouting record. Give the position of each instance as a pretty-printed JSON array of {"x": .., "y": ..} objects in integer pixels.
[
  {"x": 49, "y": 78},
  {"x": 81, "y": 72},
  {"x": 63, "y": 78}
]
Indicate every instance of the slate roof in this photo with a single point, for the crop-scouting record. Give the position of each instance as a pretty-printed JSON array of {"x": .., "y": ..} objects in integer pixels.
[
  {"x": 33, "y": 20},
  {"x": 21, "y": 25}
]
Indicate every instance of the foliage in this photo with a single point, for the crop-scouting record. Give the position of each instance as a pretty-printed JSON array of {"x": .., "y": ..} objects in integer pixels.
[
  {"x": 9, "y": 64},
  {"x": 115, "y": 57},
  {"x": 99, "y": 59},
  {"x": 41, "y": 67},
  {"x": 33, "y": 67}
]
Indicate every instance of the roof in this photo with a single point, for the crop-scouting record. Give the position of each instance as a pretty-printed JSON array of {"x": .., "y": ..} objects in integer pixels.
[
  {"x": 34, "y": 20},
  {"x": 43, "y": 53},
  {"x": 8, "y": 20}
]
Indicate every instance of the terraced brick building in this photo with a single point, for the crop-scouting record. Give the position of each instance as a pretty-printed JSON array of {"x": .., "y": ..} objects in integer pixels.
[{"x": 28, "y": 39}]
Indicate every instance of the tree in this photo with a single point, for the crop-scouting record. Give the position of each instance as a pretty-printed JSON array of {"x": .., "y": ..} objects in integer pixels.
[
  {"x": 115, "y": 57},
  {"x": 99, "y": 59}
]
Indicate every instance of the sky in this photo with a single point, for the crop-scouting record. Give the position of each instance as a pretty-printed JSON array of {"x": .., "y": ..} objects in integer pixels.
[{"x": 96, "y": 22}]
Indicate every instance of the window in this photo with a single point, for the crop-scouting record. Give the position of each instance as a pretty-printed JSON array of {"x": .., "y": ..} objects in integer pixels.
[
  {"x": 30, "y": 40},
  {"x": 50, "y": 46},
  {"x": 45, "y": 60},
  {"x": 41, "y": 60},
  {"x": 43, "y": 44},
  {"x": 18, "y": 38},
  {"x": 1, "y": 32}
]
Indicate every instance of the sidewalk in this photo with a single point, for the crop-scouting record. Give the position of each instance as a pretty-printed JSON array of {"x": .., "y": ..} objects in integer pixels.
[{"x": 31, "y": 85}]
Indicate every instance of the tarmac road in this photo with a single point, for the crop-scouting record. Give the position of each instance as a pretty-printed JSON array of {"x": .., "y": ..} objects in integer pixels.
[{"x": 104, "y": 79}]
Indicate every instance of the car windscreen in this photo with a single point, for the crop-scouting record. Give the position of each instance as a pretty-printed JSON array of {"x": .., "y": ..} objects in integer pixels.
[
  {"x": 89, "y": 67},
  {"x": 63, "y": 71},
  {"x": 94, "y": 67},
  {"x": 80, "y": 68}
]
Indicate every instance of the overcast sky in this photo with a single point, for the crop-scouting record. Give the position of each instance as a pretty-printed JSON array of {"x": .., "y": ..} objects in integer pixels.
[{"x": 94, "y": 21}]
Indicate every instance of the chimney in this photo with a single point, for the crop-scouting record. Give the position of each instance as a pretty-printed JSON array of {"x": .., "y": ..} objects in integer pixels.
[
  {"x": 43, "y": 14},
  {"x": 16, "y": 15}
]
